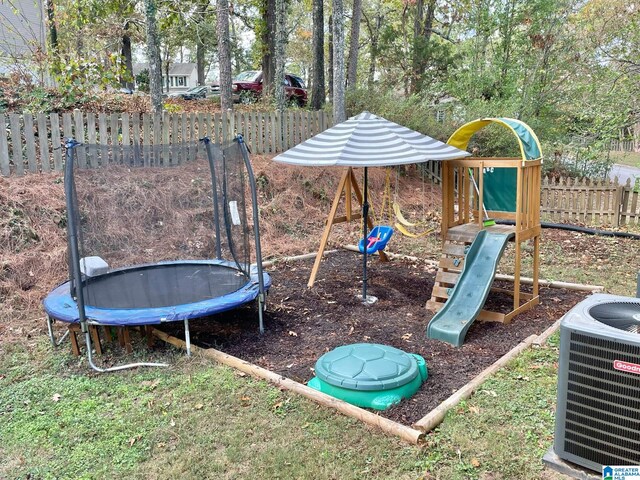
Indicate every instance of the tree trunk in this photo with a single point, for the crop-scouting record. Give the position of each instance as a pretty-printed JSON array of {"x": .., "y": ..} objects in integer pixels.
[
  {"x": 153, "y": 55},
  {"x": 200, "y": 45},
  {"x": 268, "y": 43},
  {"x": 373, "y": 54},
  {"x": 127, "y": 79},
  {"x": 53, "y": 30},
  {"x": 354, "y": 46},
  {"x": 280, "y": 44},
  {"x": 506, "y": 44},
  {"x": 339, "y": 112},
  {"x": 167, "y": 65},
  {"x": 224, "y": 55},
  {"x": 317, "y": 80},
  {"x": 422, "y": 29},
  {"x": 374, "y": 49},
  {"x": 417, "y": 44},
  {"x": 200, "y": 62},
  {"x": 330, "y": 66}
]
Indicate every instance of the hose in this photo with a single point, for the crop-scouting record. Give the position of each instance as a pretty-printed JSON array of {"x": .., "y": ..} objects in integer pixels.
[{"x": 575, "y": 228}]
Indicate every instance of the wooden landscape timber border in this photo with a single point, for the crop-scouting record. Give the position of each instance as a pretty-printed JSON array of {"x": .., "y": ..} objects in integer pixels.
[
  {"x": 391, "y": 427},
  {"x": 31, "y": 145},
  {"x": 413, "y": 434}
]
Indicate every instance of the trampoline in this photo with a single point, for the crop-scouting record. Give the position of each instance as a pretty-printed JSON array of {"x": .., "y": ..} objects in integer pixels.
[
  {"x": 156, "y": 293},
  {"x": 125, "y": 294}
]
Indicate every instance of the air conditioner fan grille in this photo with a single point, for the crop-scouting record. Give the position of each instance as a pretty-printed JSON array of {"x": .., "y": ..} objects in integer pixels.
[{"x": 621, "y": 315}]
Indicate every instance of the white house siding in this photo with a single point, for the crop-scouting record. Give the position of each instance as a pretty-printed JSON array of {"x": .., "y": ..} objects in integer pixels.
[
  {"x": 182, "y": 76},
  {"x": 22, "y": 33}
]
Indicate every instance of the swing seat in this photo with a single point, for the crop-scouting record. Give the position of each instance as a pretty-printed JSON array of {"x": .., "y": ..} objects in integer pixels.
[{"x": 377, "y": 239}]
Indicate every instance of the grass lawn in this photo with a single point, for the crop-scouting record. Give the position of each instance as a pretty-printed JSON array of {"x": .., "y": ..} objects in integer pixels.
[
  {"x": 626, "y": 158},
  {"x": 199, "y": 420}
]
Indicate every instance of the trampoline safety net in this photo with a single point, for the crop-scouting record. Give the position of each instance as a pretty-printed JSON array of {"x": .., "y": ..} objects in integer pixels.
[{"x": 186, "y": 203}]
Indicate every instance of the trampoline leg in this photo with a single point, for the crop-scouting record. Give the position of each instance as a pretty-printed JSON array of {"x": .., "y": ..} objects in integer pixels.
[
  {"x": 87, "y": 336},
  {"x": 261, "y": 305},
  {"x": 187, "y": 337},
  {"x": 54, "y": 342}
]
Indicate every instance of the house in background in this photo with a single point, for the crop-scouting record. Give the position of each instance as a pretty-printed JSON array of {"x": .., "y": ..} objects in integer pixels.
[
  {"x": 182, "y": 76},
  {"x": 22, "y": 36}
]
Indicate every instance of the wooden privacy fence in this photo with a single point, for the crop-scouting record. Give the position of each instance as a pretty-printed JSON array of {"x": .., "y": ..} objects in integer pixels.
[
  {"x": 625, "y": 145},
  {"x": 31, "y": 143},
  {"x": 584, "y": 201}
]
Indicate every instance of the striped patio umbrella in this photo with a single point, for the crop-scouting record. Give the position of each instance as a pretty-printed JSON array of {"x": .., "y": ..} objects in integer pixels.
[{"x": 368, "y": 140}]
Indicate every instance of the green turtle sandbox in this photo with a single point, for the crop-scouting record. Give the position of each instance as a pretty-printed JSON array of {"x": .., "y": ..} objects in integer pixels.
[{"x": 369, "y": 375}]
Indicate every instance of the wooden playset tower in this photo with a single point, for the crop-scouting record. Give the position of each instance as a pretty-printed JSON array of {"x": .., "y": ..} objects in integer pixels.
[{"x": 477, "y": 192}]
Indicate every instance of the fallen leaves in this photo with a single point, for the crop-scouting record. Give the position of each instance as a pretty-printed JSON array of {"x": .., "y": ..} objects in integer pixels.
[
  {"x": 151, "y": 384},
  {"x": 56, "y": 397}
]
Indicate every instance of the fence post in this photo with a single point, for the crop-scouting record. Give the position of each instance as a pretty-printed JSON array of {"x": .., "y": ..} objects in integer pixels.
[
  {"x": 619, "y": 195},
  {"x": 4, "y": 148},
  {"x": 43, "y": 140},
  {"x": 92, "y": 155},
  {"x": 55, "y": 141},
  {"x": 16, "y": 144},
  {"x": 79, "y": 136}
]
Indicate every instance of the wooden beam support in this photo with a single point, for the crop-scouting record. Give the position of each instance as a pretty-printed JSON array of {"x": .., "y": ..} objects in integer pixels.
[
  {"x": 327, "y": 229},
  {"x": 348, "y": 184},
  {"x": 495, "y": 162}
]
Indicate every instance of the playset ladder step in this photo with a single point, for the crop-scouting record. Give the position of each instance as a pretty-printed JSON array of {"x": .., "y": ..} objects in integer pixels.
[{"x": 449, "y": 269}]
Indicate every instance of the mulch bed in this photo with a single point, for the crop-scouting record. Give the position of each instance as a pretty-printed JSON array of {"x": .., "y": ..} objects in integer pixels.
[{"x": 302, "y": 324}]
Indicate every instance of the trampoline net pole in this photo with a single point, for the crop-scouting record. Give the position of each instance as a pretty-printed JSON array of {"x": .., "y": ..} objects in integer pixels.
[
  {"x": 75, "y": 273},
  {"x": 216, "y": 208},
  {"x": 256, "y": 231}
]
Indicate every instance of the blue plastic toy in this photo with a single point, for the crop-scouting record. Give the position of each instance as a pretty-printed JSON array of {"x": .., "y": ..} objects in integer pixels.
[{"x": 377, "y": 239}]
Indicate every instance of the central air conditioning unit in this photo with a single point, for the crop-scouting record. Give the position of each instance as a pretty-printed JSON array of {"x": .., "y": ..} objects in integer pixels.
[{"x": 598, "y": 414}]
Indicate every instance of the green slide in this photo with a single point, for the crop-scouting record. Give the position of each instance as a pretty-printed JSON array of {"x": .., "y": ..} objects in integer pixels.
[{"x": 467, "y": 297}]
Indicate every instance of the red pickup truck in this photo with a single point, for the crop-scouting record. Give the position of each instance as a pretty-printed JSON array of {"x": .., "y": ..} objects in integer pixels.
[{"x": 247, "y": 88}]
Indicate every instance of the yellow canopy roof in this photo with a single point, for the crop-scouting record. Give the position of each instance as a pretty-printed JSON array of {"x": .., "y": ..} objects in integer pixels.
[{"x": 527, "y": 139}]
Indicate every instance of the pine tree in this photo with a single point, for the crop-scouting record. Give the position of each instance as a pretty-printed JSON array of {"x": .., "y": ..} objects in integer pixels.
[{"x": 224, "y": 55}]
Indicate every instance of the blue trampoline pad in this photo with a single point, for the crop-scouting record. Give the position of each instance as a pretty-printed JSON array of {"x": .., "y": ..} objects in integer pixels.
[{"x": 157, "y": 293}]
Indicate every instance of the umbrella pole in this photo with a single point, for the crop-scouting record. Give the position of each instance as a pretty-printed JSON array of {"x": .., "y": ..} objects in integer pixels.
[{"x": 365, "y": 216}]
